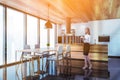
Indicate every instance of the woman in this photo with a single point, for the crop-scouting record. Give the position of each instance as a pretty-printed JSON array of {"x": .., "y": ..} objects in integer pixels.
[{"x": 86, "y": 49}]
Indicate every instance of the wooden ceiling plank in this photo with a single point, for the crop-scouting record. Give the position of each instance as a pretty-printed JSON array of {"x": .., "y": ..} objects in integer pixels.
[{"x": 78, "y": 10}]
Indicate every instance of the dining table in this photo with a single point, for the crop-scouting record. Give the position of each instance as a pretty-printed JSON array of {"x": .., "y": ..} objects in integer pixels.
[{"x": 39, "y": 52}]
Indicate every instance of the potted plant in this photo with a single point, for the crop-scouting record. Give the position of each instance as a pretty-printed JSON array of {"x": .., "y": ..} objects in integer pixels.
[{"x": 48, "y": 44}]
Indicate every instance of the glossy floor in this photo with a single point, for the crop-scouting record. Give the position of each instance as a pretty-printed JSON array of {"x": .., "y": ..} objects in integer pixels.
[
  {"x": 9, "y": 73},
  {"x": 76, "y": 73}
]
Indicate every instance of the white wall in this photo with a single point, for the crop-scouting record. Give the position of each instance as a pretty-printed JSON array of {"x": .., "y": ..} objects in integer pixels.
[
  {"x": 79, "y": 28},
  {"x": 102, "y": 27},
  {"x": 111, "y": 28}
]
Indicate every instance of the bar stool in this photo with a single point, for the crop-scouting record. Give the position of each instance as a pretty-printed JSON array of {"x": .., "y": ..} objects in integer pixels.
[
  {"x": 57, "y": 58},
  {"x": 27, "y": 56},
  {"x": 67, "y": 60}
]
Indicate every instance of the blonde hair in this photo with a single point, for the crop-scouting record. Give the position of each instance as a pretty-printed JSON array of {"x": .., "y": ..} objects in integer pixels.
[{"x": 88, "y": 30}]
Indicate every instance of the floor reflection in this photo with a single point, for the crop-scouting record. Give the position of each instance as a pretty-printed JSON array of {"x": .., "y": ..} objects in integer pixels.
[
  {"x": 87, "y": 74},
  {"x": 76, "y": 73}
]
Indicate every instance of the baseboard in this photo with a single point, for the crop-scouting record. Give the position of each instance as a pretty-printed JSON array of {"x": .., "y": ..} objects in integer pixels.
[{"x": 113, "y": 56}]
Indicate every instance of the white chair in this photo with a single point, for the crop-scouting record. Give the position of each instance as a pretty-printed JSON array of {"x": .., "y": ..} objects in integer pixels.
[
  {"x": 68, "y": 51},
  {"x": 27, "y": 56},
  {"x": 67, "y": 60},
  {"x": 37, "y": 46},
  {"x": 57, "y": 57},
  {"x": 42, "y": 57}
]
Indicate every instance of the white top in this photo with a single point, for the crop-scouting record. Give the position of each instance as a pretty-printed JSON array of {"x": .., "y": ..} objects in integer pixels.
[{"x": 87, "y": 38}]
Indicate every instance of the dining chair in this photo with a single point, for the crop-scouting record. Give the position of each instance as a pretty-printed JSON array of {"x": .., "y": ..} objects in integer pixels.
[
  {"x": 37, "y": 46},
  {"x": 57, "y": 58},
  {"x": 26, "y": 56},
  {"x": 41, "y": 60},
  {"x": 67, "y": 60},
  {"x": 67, "y": 53}
]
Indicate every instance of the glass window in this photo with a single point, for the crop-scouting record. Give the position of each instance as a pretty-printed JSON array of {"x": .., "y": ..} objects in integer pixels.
[
  {"x": 43, "y": 34},
  {"x": 1, "y": 74},
  {"x": 15, "y": 28},
  {"x": 52, "y": 36},
  {"x": 31, "y": 30},
  {"x": 1, "y": 35}
]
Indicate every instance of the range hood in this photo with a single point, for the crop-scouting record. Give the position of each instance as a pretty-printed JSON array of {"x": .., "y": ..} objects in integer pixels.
[{"x": 68, "y": 26}]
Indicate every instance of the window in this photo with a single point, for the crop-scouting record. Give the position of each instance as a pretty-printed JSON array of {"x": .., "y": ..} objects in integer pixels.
[
  {"x": 15, "y": 28},
  {"x": 52, "y": 36},
  {"x": 43, "y": 34},
  {"x": 31, "y": 30},
  {"x": 1, "y": 74},
  {"x": 1, "y": 35}
]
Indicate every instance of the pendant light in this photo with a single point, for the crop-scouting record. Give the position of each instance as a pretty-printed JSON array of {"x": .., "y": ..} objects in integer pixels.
[{"x": 48, "y": 24}]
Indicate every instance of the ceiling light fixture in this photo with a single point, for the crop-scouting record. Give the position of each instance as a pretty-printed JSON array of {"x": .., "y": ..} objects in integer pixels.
[{"x": 48, "y": 24}]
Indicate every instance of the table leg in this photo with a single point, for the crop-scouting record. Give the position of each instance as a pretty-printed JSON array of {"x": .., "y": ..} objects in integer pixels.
[{"x": 42, "y": 64}]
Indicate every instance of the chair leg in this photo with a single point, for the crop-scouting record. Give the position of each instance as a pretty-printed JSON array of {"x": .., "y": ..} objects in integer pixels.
[
  {"x": 29, "y": 68},
  {"x": 47, "y": 66},
  {"x": 32, "y": 67},
  {"x": 38, "y": 64},
  {"x": 56, "y": 69},
  {"x": 23, "y": 69}
]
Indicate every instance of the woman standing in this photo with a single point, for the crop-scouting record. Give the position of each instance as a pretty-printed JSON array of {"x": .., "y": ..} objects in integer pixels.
[{"x": 86, "y": 49}]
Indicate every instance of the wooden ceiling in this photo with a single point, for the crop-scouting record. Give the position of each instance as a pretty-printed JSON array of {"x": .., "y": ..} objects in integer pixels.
[{"x": 77, "y": 10}]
